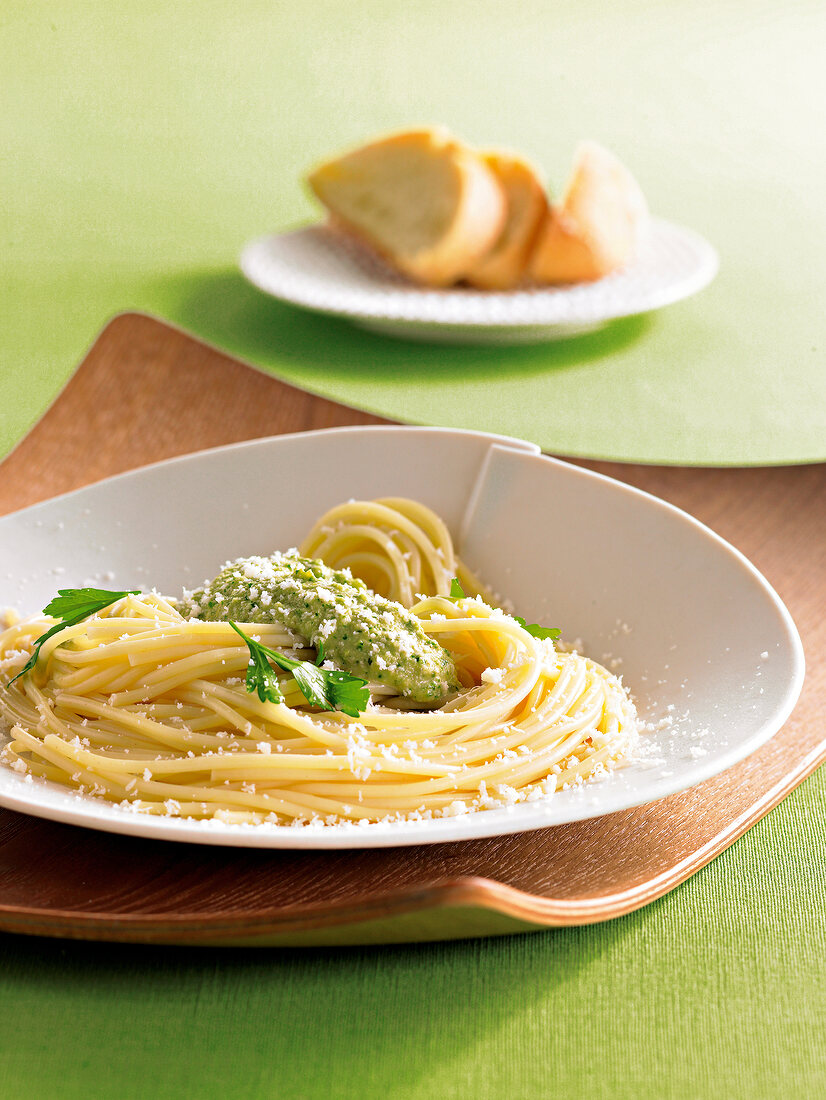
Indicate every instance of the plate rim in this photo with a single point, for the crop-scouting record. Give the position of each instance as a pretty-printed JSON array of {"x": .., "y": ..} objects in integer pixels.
[
  {"x": 342, "y": 429},
  {"x": 703, "y": 274}
]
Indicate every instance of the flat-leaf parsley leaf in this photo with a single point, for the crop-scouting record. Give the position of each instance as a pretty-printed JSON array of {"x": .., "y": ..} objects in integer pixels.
[
  {"x": 328, "y": 689},
  {"x": 72, "y": 605},
  {"x": 537, "y": 631}
]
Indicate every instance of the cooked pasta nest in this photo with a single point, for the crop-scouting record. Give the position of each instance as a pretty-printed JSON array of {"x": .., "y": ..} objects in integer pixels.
[{"x": 145, "y": 709}]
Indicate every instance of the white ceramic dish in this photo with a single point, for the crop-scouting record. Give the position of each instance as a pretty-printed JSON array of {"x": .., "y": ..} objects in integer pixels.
[
  {"x": 323, "y": 270},
  {"x": 707, "y": 648}
]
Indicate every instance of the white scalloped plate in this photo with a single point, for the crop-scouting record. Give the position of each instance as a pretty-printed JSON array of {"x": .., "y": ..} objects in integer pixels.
[
  {"x": 707, "y": 648},
  {"x": 321, "y": 269}
]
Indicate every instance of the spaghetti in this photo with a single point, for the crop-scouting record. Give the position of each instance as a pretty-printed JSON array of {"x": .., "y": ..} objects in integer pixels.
[{"x": 145, "y": 708}]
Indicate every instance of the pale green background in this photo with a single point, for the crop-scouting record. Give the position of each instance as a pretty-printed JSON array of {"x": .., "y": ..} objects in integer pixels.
[{"x": 142, "y": 145}]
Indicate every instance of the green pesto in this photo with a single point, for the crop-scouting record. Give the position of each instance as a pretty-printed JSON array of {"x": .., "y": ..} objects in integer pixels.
[{"x": 362, "y": 633}]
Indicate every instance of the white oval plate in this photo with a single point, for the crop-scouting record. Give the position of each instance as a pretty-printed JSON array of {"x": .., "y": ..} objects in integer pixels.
[
  {"x": 709, "y": 652},
  {"x": 324, "y": 270}
]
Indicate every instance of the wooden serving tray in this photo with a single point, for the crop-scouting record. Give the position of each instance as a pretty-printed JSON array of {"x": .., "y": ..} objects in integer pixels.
[{"x": 147, "y": 391}]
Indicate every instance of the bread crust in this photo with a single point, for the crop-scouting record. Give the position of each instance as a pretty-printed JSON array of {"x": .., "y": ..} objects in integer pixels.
[
  {"x": 598, "y": 225},
  {"x": 506, "y": 264},
  {"x": 476, "y": 205}
]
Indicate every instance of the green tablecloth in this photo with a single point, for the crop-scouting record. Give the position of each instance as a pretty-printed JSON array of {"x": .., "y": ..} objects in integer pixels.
[{"x": 142, "y": 145}]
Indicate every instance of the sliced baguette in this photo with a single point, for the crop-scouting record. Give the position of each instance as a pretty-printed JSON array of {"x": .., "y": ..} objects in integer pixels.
[
  {"x": 504, "y": 266},
  {"x": 428, "y": 204},
  {"x": 597, "y": 226}
]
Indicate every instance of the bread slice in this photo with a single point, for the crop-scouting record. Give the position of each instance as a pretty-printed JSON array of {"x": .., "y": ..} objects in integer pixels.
[
  {"x": 597, "y": 226},
  {"x": 504, "y": 266},
  {"x": 427, "y": 203}
]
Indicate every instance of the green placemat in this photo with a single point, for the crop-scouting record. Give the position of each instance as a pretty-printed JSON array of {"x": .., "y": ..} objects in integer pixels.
[{"x": 144, "y": 145}]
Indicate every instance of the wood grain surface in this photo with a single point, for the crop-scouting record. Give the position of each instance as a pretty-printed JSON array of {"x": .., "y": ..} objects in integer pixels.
[{"x": 147, "y": 391}]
